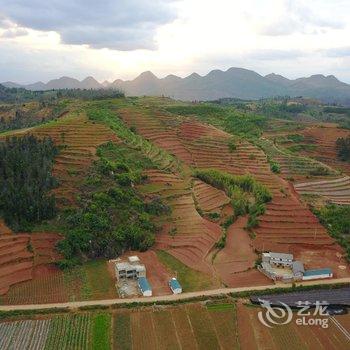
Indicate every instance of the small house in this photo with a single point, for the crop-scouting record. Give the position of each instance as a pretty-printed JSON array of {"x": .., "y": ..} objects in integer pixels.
[
  {"x": 145, "y": 287},
  {"x": 280, "y": 259},
  {"x": 175, "y": 286},
  {"x": 317, "y": 274},
  {"x": 298, "y": 269},
  {"x": 130, "y": 269}
]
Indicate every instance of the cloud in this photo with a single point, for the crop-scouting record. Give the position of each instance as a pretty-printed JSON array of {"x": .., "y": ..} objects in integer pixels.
[
  {"x": 338, "y": 52},
  {"x": 14, "y": 33},
  {"x": 114, "y": 24},
  {"x": 295, "y": 17},
  {"x": 275, "y": 55}
]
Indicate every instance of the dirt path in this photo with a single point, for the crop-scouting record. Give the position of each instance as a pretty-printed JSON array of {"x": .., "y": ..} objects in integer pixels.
[{"x": 183, "y": 296}]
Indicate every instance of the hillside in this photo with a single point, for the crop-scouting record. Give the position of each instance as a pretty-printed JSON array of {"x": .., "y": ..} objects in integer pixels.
[
  {"x": 152, "y": 174},
  {"x": 232, "y": 83}
]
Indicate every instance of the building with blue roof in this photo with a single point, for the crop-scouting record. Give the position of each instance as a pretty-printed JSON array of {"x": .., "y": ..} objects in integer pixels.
[
  {"x": 175, "y": 286},
  {"x": 145, "y": 287},
  {"x": 317, "y": 273}
]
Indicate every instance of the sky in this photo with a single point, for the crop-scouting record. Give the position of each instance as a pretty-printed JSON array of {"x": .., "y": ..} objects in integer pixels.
[{"x": 118, "y": 39}]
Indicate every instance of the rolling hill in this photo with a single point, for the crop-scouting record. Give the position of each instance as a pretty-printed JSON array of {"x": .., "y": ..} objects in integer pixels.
[{"x": 234, "y": 82}]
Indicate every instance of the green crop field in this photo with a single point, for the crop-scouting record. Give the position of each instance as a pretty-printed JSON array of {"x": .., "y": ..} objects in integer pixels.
[{"x": 217, "y": 325}]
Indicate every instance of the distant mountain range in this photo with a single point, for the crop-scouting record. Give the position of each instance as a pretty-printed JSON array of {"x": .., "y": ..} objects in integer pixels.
[{"x": 235, "y": 82}]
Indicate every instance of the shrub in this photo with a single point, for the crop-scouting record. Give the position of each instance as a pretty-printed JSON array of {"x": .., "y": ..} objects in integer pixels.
[
  {"x": 232, "y": 145},
  {"x": 275, "y": 167},
  {"x": 319, "y": 171},
  {"x": 343, "y": 148}
]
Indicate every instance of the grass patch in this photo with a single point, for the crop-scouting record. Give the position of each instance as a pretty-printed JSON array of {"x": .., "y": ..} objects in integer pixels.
[
  {"x": 189, "y": 279},
  {"x": 101, "y": 331},
  {"x": 99, "y": 279},
  {"x": 301, "y": 147}
]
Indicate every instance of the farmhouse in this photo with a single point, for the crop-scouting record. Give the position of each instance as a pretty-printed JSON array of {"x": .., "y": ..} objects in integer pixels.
[
  {"x": 278, "y": 259},
  {"x": 282, "y": 267},
  {"x": 175, "y": 286},
  {"x": 145, "y": 287},
  {"x": 130, "y": 269}
]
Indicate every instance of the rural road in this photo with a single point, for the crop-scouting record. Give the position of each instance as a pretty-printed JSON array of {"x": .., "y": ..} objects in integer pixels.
[{"x": 213, "y": 292}]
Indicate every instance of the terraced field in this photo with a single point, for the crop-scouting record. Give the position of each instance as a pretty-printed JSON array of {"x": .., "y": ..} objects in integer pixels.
[
  {"x": 79, "y": 139},
  {"x": 336, "y": 190},
  {"x": 209, "y": 198},
  {"x": 48, "y": 284},
  {"x": 17, "y": 262},
  {"x": 325, "y": 140},
  {"x": 292, "y": 165},
  {"x": 158, "y": 132},
  {"x": 287, "y": 223}
]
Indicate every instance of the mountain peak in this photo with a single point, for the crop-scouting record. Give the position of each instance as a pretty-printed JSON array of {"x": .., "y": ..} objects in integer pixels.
[
  {"x": 194, "y": 75},
  {"x": 89, "y": 78},
  {"x": 147, "y": 75}
]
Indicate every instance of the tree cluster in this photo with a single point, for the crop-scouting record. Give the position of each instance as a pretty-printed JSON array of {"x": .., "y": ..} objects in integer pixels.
[
  {"x": 343, "y": 148},
  {"x": 26, "y": 180}
]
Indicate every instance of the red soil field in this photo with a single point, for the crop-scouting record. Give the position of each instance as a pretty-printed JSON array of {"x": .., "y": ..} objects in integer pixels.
[
  {"x": 287, "y": 223},
  {"x": 238, "y": 254},
  {"x": 336, "y": 190},
  {"x": 254, "y": 335},
  {"x": 3, "y": 228},
  {"x": 194, "y": 235},
  {"x": 325, "y": 139},
  {"x": 209, "y": 198},
  {"x": 18, "y": 262},
  {"x": 158, "y": 132}
]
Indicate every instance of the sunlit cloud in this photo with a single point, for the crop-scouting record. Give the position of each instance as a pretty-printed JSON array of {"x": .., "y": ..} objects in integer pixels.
[{"x": 120, "y": 39}]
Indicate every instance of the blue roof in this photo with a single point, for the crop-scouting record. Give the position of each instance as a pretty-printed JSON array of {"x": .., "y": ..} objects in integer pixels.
[
  {"x": 144, "y": 284},
  {"x": 318, "y": 272},
  {"x": 174, "y": 284}
]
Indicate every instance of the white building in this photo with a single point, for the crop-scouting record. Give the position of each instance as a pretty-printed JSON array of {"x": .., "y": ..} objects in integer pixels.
[
  {"x": 130, "y": 269},
  {"x": 278, "y": 259}
]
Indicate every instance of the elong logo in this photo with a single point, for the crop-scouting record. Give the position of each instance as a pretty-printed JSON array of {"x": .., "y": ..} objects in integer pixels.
[{"x": 279, "y": 315}]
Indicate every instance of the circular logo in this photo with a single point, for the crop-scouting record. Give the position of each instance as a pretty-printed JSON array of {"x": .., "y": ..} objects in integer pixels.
[{"x": 274, "y": 315}]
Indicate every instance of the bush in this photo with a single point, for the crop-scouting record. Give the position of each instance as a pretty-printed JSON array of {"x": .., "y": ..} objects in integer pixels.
[
  {"x": 232, "y": 145},
  {"x": 343, "y": 148},
  {"x": 275, "y": 167},
  {"x": 319, "y": 171}
]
